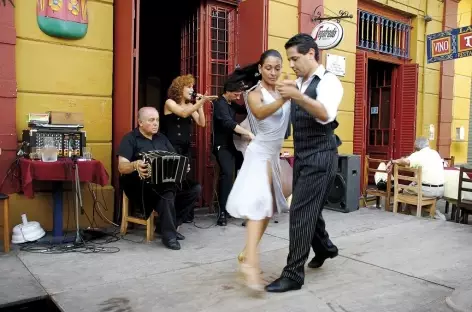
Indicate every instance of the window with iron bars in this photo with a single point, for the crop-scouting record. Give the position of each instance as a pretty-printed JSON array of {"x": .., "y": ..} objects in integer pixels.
[
  {"x": 384, "y": 35},
  {"x": 189, "y": 44},
  {"x": 221, "y": 46}
]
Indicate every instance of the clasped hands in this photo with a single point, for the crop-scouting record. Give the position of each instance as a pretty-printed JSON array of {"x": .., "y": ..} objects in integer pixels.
[{"x": 288, "y": 89}]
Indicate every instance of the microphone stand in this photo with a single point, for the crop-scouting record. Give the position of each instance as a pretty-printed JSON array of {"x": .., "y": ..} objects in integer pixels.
[{"x": 78, "y": 201}]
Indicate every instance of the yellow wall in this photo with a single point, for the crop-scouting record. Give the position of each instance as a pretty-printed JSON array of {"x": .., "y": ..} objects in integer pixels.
[
  {"x": 279, "y": 32},
  {"x": 347, "y": 49},
  {"x": 428, "y": 78},
  {"x": 66, "y": 75},
  {"x": 462, "y": 84}
]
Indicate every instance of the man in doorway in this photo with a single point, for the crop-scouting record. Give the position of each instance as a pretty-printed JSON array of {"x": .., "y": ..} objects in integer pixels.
[
  {"x": 224, "y": 126},
  {"x": 172, "y": 202},
  {"x": 315, "y": 96}
]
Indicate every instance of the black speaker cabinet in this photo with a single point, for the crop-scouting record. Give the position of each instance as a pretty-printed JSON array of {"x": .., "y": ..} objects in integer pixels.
[{"x": 345, "y": 192}]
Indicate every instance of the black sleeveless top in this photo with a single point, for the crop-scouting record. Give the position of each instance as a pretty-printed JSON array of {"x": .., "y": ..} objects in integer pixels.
[{"x": 178, "y": 130}]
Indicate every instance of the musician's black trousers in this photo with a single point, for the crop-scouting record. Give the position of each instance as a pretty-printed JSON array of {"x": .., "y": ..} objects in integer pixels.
[
  {"x": 173, "y": 203},
  {"x": 313, "y": 178},
  {"x": 229, "y": 160},
  {"x": 185, "y": 150},
  {"x": 174, "y": 206}
]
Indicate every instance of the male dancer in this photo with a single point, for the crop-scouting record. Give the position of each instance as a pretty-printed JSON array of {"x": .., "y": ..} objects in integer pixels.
[{"x": 315, "y": 95}]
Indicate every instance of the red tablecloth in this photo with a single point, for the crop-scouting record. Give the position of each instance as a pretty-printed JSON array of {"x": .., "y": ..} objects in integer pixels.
[{"x": 61, "y": 170}]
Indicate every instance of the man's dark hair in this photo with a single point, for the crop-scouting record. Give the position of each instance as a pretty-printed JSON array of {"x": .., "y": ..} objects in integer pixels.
[
  {"x": 304, "y": 43},
  {"x": 233, "y": 86}
]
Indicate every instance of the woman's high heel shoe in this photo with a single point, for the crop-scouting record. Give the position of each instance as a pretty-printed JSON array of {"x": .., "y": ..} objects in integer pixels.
[
  {"x": 252, "y": 279},
  {"x": 242, "y": 259}
]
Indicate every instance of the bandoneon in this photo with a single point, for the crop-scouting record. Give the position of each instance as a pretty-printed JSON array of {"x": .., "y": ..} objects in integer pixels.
[{"x": 165, "y": 167}]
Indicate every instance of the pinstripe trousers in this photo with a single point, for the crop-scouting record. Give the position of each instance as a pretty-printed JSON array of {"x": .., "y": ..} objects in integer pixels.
[{"x": 313, "y": 177}]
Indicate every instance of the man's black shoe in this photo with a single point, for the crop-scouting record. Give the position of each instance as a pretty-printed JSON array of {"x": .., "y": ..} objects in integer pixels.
[
  {"x": 283, "y": 284},
  {"x": 318, "y": 261},
  {"x": 171, "y": 244},
  {"x": 180, "y": 236}
]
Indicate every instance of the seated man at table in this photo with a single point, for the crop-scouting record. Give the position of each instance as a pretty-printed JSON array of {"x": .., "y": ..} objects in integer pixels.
[
  {"x": 432, "y": 167},
  {"x": 172, "y": 202}
]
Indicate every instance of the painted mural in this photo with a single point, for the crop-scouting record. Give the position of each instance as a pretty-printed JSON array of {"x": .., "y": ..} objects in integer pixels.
[{"x": 63, "y": 18}]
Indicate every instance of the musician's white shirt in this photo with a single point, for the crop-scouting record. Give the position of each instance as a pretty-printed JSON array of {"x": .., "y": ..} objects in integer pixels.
[{"x": 329, "y": 91}]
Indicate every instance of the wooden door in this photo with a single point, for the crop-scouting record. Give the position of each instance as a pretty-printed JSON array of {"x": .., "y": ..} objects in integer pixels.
[
  {"x": 216, "y": 62},
  {"x": 125, "y": 68},
  {"x": 8, "y": 137},
  {"x": 252, "y": 31},
  {"x": 359, "y": 146},
  {"x": 405, "y": 114},
  {"x": 380, "y": 110}
]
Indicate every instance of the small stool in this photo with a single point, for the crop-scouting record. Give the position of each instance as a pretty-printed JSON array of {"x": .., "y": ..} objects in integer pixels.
[
  {"x": 6, "y": 225},
  {"x": 125, "y": 218}
]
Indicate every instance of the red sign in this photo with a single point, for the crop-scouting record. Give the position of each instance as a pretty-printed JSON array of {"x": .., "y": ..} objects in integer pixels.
[
  {"x": 441, "y": 46},
  {"x": 465, "y": 41}
]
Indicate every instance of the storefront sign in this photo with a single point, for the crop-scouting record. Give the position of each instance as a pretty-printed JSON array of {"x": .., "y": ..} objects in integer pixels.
[
  {"x": 328, "y": 35},
  {"x": 448, "y": 45}
]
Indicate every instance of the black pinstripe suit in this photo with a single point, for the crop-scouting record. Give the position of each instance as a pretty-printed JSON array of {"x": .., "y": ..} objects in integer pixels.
[{"x": 316, "y": 162}]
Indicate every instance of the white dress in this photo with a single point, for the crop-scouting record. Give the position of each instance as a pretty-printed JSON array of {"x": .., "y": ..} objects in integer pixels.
[{"x": 251, "y": 196}]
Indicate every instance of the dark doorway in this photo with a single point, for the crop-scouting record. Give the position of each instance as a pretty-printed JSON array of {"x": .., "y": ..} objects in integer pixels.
[
  {"x": 160, "y": 46},
  {"x": 380, "y": 109}
]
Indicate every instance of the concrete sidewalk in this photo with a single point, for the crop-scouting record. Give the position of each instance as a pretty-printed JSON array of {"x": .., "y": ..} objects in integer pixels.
[{"x": 387, "y": 262}]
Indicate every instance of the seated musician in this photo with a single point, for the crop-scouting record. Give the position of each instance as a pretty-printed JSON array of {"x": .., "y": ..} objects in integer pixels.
[{"x": 171, "y": 201}]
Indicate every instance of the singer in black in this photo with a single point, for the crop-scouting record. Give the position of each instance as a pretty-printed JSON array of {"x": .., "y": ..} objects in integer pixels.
[
  {"x": 172, "y": 202},
  {"x": 224, "y": 126},
  {"x": 179, "y": 115},
  {"x": 315, "y": 97}
]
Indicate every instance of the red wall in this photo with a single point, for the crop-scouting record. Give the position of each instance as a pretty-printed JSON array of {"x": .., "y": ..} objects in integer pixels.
[{"x": 8, "y": 139}]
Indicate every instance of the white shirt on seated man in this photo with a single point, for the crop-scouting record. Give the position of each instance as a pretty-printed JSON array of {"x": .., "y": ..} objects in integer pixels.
[{"x": 432, "y": 167}]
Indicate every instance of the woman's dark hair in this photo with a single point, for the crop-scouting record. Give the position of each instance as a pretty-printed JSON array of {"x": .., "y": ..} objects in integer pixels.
[
  {"x": 249, "y": 75},
  {"x": 303, "y": 42}
]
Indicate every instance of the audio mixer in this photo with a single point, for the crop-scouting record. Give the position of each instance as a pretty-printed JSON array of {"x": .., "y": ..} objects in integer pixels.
[{"x": 68, "y": 142}]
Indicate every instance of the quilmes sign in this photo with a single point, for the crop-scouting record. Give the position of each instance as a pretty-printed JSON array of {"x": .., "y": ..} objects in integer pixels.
[
  {"x": 328, "y": 35},
  {"x": 449, "y": 45}
]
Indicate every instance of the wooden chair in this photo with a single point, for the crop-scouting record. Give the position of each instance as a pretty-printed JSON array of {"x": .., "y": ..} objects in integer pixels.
[
  {"x": 125, "y": 218},
  {"x": 449, "y": 160},
  {"x": 412, "y": 199},
  {"x": 450, "y": 163},
  {"x": 463, "y": 205},
  {"x": 6, "y": 225},
  {"x": 374, "y": 191}
]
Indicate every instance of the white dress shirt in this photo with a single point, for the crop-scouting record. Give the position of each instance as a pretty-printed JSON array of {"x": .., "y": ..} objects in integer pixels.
[{"x": 329, "y": 91}]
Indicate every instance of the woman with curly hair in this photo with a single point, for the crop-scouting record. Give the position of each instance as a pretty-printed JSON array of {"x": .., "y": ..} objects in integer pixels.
[
  {"x": 176, "y": 122},
  {"x": 179, "y": 111}
]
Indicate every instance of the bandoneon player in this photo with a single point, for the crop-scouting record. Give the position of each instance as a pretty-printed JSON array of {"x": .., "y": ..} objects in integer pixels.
[{"x": 172, "y": 201}]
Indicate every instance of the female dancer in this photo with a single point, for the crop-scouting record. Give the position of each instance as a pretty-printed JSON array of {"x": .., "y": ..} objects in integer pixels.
[
  {"x": 258, "y": 186},
  {"x": 178, "y": 115}
]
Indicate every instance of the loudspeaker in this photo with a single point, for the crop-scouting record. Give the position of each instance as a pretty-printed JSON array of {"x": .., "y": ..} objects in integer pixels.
[{"x": 345, "y": 192}]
